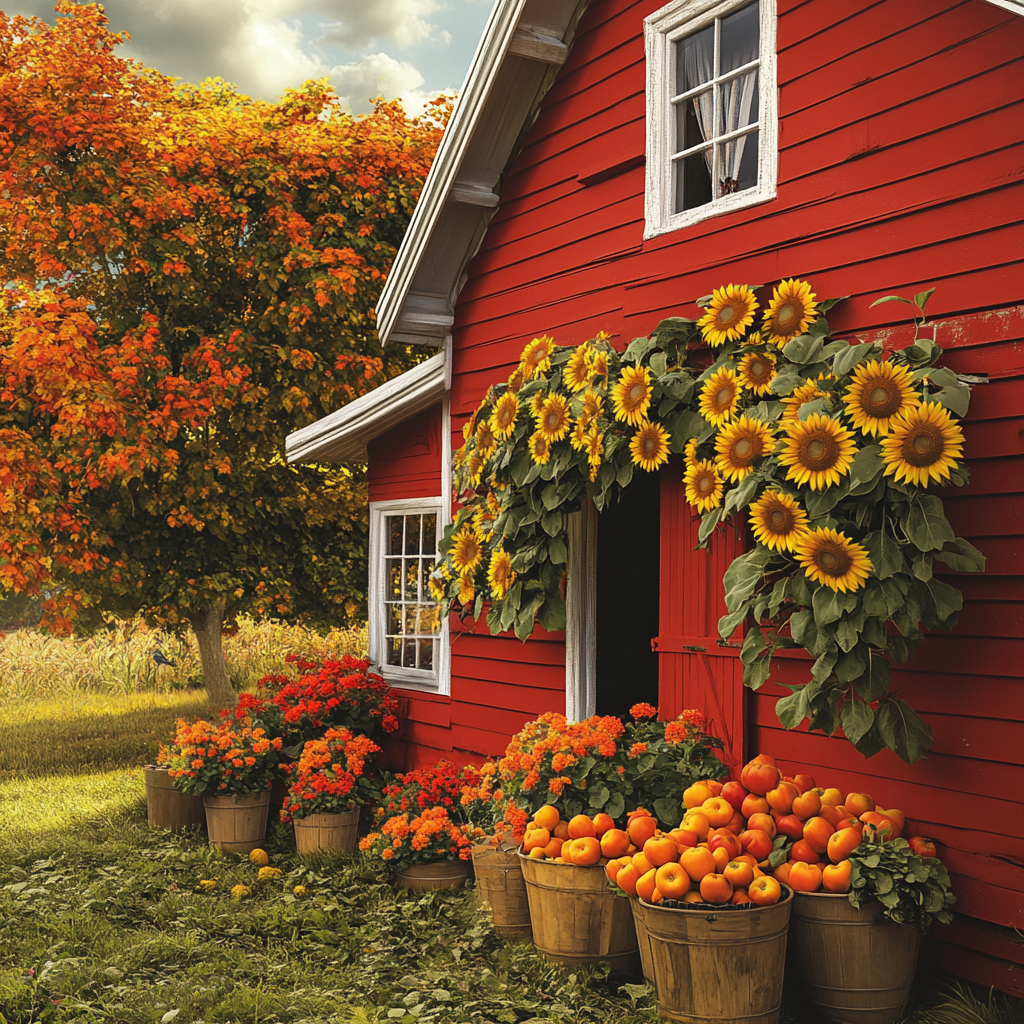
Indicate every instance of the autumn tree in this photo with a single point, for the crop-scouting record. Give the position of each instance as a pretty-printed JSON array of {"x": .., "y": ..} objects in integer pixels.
[{"x": 189, "y": 276}]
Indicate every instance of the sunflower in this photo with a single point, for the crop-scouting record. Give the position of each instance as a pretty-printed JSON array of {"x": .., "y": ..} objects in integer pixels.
[
  {"x": 730, "y": 314},
  {"x": 790, "y": 312},
  {"x": 649, "y": 446},
  {"x": 536, "y": 357},
  {"x": 595, "y": 449},
  {"x": 540, "y": 448},
  {"x": 577, "y": 370},
  {"x": 436, "y": 587},
  {"x": 553, "y": 418},
  {"x": 467, "y": 549},
  {"x": 792, "y": 402},
  {"x": 599, "y": 367},
  {"x": 818, "y": 451},
  {"x": 467, "y": 590},
  {"x": 578, "y": 434},
  {"x": 778, "y": 521},
  {"x": 923, "y": 444},
  {"x": 720, "y": 396},
  {"x": 756, "y": 372},
  {"x": 499, "y": 574},
  {"x": 740, "y": 445},
  {"x": 516, "y": 379},
  {"x": 475, "y": 467},
  {"x": 593, "y": 405},
  {"x": 831, "y": 558},
  {"x": 879, "y": 392},
  {"x": 631, "y": 395},
  {"x": 690, "y": 452},
  {"x": 703, "y": 486},
  {"x": 486, "y": 442},
  {"x": 503, "y": 419}
]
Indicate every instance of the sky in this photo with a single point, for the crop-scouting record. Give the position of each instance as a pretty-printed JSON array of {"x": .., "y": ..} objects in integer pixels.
[{"x": 405, "y": 49}]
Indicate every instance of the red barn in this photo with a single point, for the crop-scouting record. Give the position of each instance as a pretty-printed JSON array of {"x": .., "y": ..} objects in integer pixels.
[{"x": 607, "y": 163}]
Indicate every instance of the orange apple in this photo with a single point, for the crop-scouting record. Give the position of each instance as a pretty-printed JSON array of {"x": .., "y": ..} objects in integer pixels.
[
  {"x": 803, "y": 782},
  {"x": 739, "y": 873},
  {"x": 646, "y": 885},
  {"x": 718, "y": 811},
  {"x": 802, "y": 851},
  {"x": 603, "y": 823},
  {"x": 723, "y": 838},
  {"x": 698, "y": 862},
  {"x": 783, "y": 870},
  {"x": 760, "y": 777},
  {"x": 765, "y": 823},
  {"x": 582, "y": 827},
  {"x": 684, "y": 839},
  {"x": 693, "y": 896},
  {"x": 817, "y": 832},
  {"x": 806, "y": 805},
  {"x": 536, "y": 839},
  {"x": 696, "y": 794},
  {"x": 641, "y": 828},
  {"x": 672, "y": 881},
  {"x": 614, "y": 843},
  {"x": 756, "y": 842},
  {"x": 883, "y": 826},
  {"x": 740, "y": 896},
  {"x": 561, "y": 830},
  {"x": 833, "y": 815},
  {"x": 585, "y": 851},
  {"x": 722, "y": 858},
  {"x": 754, "y": 804},
  {"x": 830, "y": 797},
  {"x": 627, "y": 878},
  {"x": 715, "y": 888},
  {"x": 897, "y": 817},
  {"x": 661, "y": 850},
  {"x": 641, "y": 863},
  {"x": 554, "y": 848},
  {"x": 782, "y": 796},
  {"x": 697, "y": 823},
  {"x": 614, "y": 866},
  {"x": 792, "y": 826},
  {"x": 735, "y": 793},
  {"x": 805, "y": 877},
  {"x": 842, "y": 843},
  {"x": 764, "y": 891},
  {"x": 714, "y": 785},
  {"x": 858, "y": 803},
  {"x": 836, "y": 877}
]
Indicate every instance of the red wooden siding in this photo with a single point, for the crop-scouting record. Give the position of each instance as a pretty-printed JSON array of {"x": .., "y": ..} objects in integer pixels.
[
  {"x": 900, "y": 167},
  {"x": 406, "y": 461}
]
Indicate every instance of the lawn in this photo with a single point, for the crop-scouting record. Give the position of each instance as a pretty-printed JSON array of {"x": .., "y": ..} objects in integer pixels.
[{"x": 103, "y": 920}]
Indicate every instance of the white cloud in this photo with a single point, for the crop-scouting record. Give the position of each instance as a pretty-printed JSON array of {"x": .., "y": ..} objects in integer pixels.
[
  {"x": 403, "y": 23},
  {"x": 379, "y": 75}
]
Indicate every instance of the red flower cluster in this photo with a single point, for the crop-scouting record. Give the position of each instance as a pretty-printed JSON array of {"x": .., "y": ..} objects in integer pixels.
[
  {"x": 429, "y": 836},
  {"x": 333, "y": 774},
  {"x": 440, "y": 785}
]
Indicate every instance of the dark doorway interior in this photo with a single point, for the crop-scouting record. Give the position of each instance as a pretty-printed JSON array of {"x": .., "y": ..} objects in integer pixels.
[{"x": 628, "y": 548}]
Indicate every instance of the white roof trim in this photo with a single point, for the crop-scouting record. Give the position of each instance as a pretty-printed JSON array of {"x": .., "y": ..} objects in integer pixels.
[
  {"x": 1017, "y": 6},
  {"x": 523, "y": 45},
  {"x": 343, "y": 435}
]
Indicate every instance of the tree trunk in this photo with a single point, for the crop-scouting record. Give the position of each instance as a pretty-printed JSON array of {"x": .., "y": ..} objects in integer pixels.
[{"x": 208, "y": 621}]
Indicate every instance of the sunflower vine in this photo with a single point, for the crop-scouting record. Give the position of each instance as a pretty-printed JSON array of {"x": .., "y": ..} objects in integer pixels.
[{"x": 825, "y": 449}]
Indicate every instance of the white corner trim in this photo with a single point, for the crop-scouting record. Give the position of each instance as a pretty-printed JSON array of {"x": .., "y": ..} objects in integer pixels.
[
  {"x": 1016, "y": 6},
  {"x": 661, "y": 30},
  {"x": 581, "y": 615},
  {"x": 440, "y": 680},
  {"x": 342, "y": 436}
]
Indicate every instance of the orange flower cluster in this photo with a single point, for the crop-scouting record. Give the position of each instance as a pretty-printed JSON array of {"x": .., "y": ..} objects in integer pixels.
[
  {"x": 430, "y": 836},
  {"x": 225, "y": 757}
]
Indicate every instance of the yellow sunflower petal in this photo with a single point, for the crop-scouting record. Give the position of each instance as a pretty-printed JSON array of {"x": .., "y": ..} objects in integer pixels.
[
  {"x": 740, "y": 445},
  {"x": 631, "y": 395},
  {"x": 818, "y": 451},
  {"x": 552, "y": 417},
  {"x": 729, "y": 315},
  {"x": 500, "y": 576},
  {"x": 777, "y": 520},
  {"x": 703, "y": 486},
  {"x": 536, "y": 357},
  {"x": 719, "y": 398},
  {"x": 756, "y": 372},
  {"x": 923, "y": 445},
  {"x": 540, "y": 448},
  {"x": 649, "y": 446},
  {"x": 503, "y": 419},
  {"x": 879, "y": 392},
  {"x": 791, "y": 311},
  {"x": 832, "y": 559},
  {"x": 467, "y": 549}
]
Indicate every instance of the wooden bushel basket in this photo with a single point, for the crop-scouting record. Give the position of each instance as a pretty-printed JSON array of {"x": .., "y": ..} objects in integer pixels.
[
  {"x": 167, "y": 807},
  {"x": 441, "y": 874},
  {"x": 718, "y": 965},
  {"x": 326, "y": 833},
  {"x": 577, "y": 919},
  {"x": 857, "y": 966},
  {"x": 643, "y": 942},
  {"x": 237, "y": 822},
  {"x": 502, "y": 890}
]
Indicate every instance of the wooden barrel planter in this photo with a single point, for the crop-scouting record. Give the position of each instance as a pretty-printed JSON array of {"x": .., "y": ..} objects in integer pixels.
[
  {"x": 502, "y": 889},
  {"x": 237, "y": 822},
  {"x": 857, "y": 966},
  {"x": 327, "y": 833},
  {"x": 577, "y": 919},
  {"x": 718, "y": 965},
  {"x": 643, "y": 942},
  {"x": 439, "y": 874},
  {"x": 167, "y": 807}
]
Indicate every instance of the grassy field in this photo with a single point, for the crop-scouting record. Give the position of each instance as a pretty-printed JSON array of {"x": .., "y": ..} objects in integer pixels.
[{"x": 103, "y": 920}]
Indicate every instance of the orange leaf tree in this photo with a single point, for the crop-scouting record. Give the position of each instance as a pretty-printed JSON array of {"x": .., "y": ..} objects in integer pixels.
[{"x": 189, "y": 276}]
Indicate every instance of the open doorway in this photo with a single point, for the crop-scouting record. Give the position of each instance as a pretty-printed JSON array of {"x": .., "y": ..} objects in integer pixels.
[{"x": 628, "y": 565}]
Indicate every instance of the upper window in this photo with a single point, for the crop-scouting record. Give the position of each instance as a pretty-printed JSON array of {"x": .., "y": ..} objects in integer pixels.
[
  {"x": 406, "y": 635},
  {"x": 710, "y": 110}
]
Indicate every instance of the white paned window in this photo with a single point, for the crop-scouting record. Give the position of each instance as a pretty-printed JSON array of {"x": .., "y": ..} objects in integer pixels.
[
  {"x": 711, "y": 110},
  {"x": 407, "y": 638}
]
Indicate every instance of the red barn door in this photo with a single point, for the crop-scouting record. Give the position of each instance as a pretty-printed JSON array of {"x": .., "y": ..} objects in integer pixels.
[{"x": 695, "y": 668}]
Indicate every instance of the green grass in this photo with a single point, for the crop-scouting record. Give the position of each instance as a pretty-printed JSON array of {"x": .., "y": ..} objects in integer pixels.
[{"x": 103, "y": 920}]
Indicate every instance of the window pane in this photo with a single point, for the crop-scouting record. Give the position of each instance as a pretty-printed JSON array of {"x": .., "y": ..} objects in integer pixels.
[
  {"x": 429, "y": 619},
  {"x": 429, "y": 534},
  {"x": 740, "y": 38},
  {"x": 695, "y": 59},
  {"x": 738, "y": 162},
  {"x": 394, "y": 585},
  {"x": 409, "y": 654},
  {"x": 426, "y": 654},
  {"x": 394, "y": 651},
  {"x": 412, "y": 579},
  {"x": 691, "y": 115},
  {"x": 738, "y": 103},
  {"x": 394, "y": 619},
  {"x": 692, "y": 181},
  {"x": 412, "y": 535},
  {"x": 395, "y": 534}
]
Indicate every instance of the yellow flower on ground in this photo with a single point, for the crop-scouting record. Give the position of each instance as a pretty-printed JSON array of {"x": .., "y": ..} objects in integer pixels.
[
  {"x": 719, "y": 397},
  {"x": 730, "y": 314},
  {"x": 649, "y": 446},
  {"x": 923, "y": 445},
  {"x": 878, "y": 393},
  {"x": 499, "y": 574},
  {"x": 503, "y": 419},
  {"x": 818, "y": 451},
  {"x": 268, "y": 874},
  {"x": 208, "y": 884},
  {"x": 536, "y": 357},
  {"x": 260, "y": 857},
  {"x": 467, "y": 590},
  {"x": 239, "y": 892},
  {"x": 777, "y": 520},
  {"x": 832, "y": 559},
  {"x": 553, "y": 418},
  {"x": 690, "y": 452},
  {"x": 631, "y": 395},
  {"x": 467, "y": 549},
  {"x": 791, "y": 403},
  {"x": 703, "y": 486},
  {"x": 757, "y": 371},
  {"x": 300, "y": 891},
  {"x": 540, "y": 448},
  {"x": 486, "y": 442},
  {"x": 577, "y": 370},
  {"x": 791, "y": 311},
  {"x": 739, "y": 445}
]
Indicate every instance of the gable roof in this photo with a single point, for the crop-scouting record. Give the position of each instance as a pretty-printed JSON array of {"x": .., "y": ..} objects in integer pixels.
[{"x": 523, "y": 45}]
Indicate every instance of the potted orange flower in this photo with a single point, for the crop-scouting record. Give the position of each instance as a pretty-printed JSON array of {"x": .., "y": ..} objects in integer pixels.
[
  {"x": 332, "y": 780},
  {"x": 232, "y": 766},
  {"x": 426, "y": 851}
]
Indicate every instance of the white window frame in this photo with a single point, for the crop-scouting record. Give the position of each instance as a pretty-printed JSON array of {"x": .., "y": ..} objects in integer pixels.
[
  {"x": 661, "y": 31},
  {"x": 437, "y": 680}
]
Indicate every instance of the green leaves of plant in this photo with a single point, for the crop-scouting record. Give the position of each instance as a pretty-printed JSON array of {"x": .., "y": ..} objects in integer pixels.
[
  {"x": 902, "y": 730},
  {"x": 926, "y": 523}
]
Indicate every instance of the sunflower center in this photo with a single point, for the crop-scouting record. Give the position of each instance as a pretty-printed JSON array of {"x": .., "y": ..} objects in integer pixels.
[
  {"x": 505, "y": 416},
  {"x": 815, "y": 449},
  {"x": 778, "y": 518},
  {"x": 551, "y": 420},
  {"x": 636, "y": 392},
  {"x": 786, "y": 314},
  {"x": 649, "y": 445},
  {"x": 834, "y": 562},
  {"x": 883, "y": 400},
  {"x": 923, "y": 447},
  {"x": 758, "y": 369},
  {"x": 743, "y": 448},
  {"x": 726, "y": 315},
  {"x": 705, "y": 484},
  {"x": 724, "y": 397}
]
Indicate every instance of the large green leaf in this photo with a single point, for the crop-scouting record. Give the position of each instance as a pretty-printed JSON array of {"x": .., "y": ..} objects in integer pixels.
[
  {"x": 946, "y": 601},
  {"x": 926, "y": 524},
  {"x": 708, "y": 523},
  {"x": 874, "y": 681},
  {"x": 804, "y": 349},
  {"x": 742, "y": 577},
  {"x": 885, "y": 552},
  {"x": 856, "y": 719},
  {"x": 865, "y": 470},
  {"x": 846, "y": 360},
  {"x": 961, "y": 556},
  {"x": 902, "y": 730},
  {"x": 827, "y": 605},
  {"x": 792, "y": 710}
]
